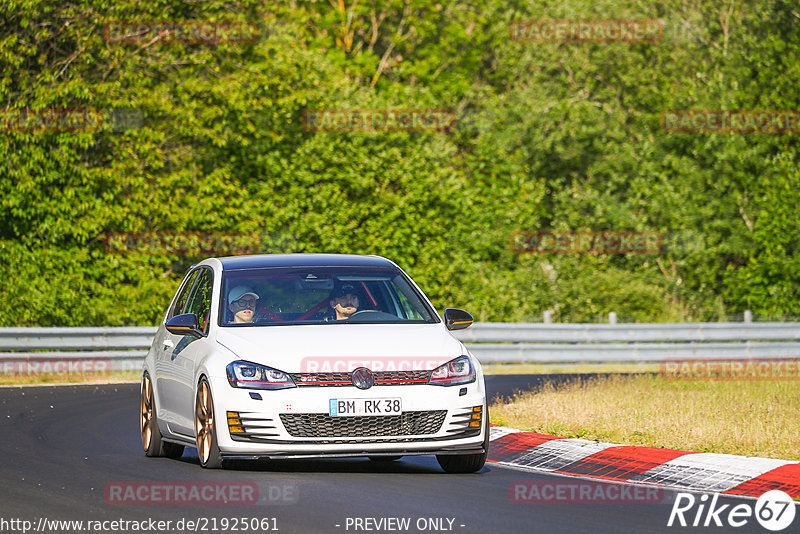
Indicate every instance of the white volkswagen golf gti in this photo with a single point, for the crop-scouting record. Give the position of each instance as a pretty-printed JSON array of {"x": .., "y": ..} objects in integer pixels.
[{"x": 311, "y": 355}]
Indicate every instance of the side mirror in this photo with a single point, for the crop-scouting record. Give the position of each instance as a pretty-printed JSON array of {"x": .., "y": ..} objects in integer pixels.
[
  {"x": 455, "y": 319},
  {"x": 184, "y": 324}
]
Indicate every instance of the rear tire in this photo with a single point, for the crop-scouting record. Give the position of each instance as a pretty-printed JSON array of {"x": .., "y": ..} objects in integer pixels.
[
  {"x": 467, "y": 463},
  {"x": 152, "y": 440},
  {"x": 205, "y": 427}
]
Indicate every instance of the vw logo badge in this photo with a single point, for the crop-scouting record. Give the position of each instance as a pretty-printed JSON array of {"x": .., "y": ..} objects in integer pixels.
[{"x": 363, "y": 378}]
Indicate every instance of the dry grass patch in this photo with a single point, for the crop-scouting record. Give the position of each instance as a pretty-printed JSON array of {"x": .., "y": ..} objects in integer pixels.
[
  {"x": 752, "y": 418},
  {"x": 70, "y": 378}
]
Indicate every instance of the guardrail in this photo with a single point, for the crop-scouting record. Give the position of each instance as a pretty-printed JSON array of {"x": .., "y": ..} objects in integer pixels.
[
  {"x": 125, "y": 347},
  {"x": 627, "y": 342}
]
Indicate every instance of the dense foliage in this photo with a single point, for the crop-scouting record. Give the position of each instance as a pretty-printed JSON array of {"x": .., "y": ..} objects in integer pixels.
[{"x": 549, "y": 136}]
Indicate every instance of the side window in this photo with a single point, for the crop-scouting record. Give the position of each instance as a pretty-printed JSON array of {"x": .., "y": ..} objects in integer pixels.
[
  {"x": 408, "y": 300},
  {"x": 184, "y": 294},
  {"x": 200, "y": 301},
  {"x": 409, "y": 310}
]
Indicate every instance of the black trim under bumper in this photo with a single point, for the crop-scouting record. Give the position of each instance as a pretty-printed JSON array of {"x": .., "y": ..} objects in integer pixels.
[{"x": 288, "y": 455}]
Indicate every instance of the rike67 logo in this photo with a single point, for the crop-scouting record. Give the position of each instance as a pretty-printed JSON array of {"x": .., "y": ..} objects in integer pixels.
[{"x": 774, "y": 510}]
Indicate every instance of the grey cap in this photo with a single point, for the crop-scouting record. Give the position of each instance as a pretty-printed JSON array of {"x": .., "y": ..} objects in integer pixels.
[{"x": 239, "y": 292}]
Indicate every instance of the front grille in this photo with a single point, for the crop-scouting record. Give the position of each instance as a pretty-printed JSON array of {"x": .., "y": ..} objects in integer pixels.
[
  {"x": 322, "y": 379},
  {"x": 382, "y": 378},
  {"x": 391, "y": 378},
  {"x": 321, "y": 425}
]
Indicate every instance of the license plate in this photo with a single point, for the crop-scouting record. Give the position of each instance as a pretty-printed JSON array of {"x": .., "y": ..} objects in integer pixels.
[{"x": 348, "y": 407}]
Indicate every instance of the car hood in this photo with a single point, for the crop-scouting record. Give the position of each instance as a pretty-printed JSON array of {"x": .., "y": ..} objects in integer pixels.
[{"x": 335, "y": 347}]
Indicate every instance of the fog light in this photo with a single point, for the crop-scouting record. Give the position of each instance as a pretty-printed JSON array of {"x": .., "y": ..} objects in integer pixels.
[
  {"x": 476, "y": 416},
  {"x": 233, "y": 418},
  {"x": 475, "y": 424},
  {"x": 477, "y": 409},
  {"x": 235, "y": 423}
]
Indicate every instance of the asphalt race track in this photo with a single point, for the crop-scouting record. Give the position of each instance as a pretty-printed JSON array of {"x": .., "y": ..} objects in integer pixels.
[{"x": 63, "y": 446}]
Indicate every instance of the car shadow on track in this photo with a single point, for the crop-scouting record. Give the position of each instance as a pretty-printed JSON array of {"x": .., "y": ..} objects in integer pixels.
[{"x": 405, "y": 465}]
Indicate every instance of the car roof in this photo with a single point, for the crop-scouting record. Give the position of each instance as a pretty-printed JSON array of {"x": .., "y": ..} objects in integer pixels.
[{"x": 231, "y": 263}]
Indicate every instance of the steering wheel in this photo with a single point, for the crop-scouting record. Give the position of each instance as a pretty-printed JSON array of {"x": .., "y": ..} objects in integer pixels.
[{"x": 374, "y": 314}]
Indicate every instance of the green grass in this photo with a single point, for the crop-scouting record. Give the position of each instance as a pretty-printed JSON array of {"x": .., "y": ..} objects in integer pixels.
[{"x": 751, "y": 418}]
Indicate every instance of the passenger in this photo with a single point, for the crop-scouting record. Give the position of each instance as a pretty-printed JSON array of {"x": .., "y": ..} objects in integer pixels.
[
  {"x": 344, "y": 301},
  {"x": 242, "y": 303}
]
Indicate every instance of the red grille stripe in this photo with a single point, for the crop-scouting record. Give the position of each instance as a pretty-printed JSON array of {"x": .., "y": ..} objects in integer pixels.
[{"x": 400, "y": 381}]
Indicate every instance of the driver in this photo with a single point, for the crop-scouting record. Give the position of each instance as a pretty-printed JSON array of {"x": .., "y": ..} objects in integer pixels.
[
  {"x": 344, "y": 301},
  {"x": 242, "y": 303}
]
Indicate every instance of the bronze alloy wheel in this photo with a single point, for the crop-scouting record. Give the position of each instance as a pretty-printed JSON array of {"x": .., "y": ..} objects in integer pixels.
[
  {"x": 146, "y": 420},
  {"x": 204, "y": 424},
  {"x": 152, "y": 441}
]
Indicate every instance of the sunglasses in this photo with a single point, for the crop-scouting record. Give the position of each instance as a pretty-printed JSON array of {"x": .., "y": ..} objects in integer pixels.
[{"x": 244, "y": 303}]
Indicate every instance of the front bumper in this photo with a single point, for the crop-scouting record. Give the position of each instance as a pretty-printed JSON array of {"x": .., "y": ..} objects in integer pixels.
[{"x": 295, "y": 422}]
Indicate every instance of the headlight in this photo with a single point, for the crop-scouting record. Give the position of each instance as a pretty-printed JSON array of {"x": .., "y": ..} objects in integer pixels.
[
  {"x": 458, "y": 371},
  {"x": 248, "y": 375}
]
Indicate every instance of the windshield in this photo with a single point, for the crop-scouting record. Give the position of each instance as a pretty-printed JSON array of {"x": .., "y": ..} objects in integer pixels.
[{"x": 320, "y": 295}]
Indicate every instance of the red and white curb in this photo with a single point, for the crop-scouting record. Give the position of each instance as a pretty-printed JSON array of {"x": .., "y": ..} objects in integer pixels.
[{"x": 696, "y": 471}]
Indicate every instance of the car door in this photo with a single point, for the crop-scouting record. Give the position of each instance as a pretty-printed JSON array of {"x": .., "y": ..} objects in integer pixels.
[
  {"x": 166, "y": 375},
  {"x": 186, "y": 352}
]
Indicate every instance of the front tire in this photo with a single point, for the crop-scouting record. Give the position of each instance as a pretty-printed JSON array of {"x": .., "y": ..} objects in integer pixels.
[
  {"x": 152, "y": 440},
  {"x": 467, "y": 463},
  {"x": 205, "y": 427}
]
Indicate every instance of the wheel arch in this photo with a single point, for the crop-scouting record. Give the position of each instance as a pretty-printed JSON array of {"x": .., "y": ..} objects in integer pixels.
[{"x": 162, "y": 425}]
